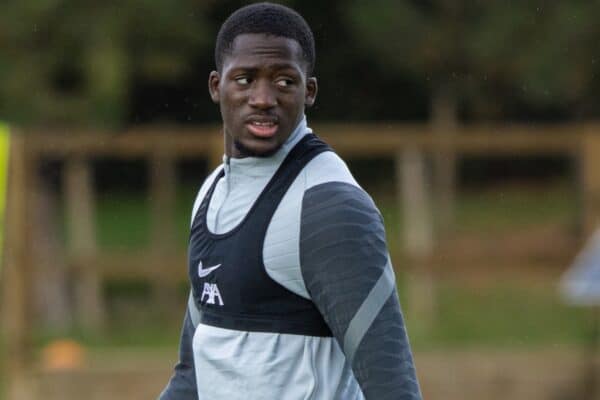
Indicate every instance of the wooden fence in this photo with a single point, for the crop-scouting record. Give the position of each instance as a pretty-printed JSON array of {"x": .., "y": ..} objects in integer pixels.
[{"x": 409, "y": 145}]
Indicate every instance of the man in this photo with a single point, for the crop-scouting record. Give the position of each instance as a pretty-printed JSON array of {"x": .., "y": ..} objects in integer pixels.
[{"x": 293, "y": 294}]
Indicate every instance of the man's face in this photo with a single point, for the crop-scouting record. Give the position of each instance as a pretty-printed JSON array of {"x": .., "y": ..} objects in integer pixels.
[{"x": 262, "y": 91}]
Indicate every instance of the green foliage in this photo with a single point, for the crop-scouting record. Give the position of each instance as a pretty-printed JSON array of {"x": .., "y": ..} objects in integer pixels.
[
  {"x": 66, "y": 62},
  {"x": 545, "y": 48},
  {"x": 74, "y": 62},
  {"x": 543, "y": 52}
]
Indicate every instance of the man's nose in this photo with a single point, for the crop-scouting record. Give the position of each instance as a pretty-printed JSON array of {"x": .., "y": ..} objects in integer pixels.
[{"x": 262, "y": 95}]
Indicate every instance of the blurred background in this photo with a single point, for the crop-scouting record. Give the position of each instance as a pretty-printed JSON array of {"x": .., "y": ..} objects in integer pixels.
[{"x": 473, "y": 124}]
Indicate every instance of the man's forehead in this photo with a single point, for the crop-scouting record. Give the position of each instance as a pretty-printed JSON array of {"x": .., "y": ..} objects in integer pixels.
[{"x": 266, "y": 45}]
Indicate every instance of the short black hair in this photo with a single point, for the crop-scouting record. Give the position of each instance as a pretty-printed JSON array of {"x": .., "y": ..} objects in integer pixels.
[{"x": 269, "y": 18}]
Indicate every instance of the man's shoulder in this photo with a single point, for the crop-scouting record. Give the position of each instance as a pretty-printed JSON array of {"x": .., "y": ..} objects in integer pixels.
[
  {"x": 204, "y": 189},
  {"x": 332, "y": 191},
  {"x": 327, "y": 167}
]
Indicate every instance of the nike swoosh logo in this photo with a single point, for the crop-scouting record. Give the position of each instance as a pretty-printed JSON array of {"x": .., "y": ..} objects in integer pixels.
[{"x": 202, "y": 272}]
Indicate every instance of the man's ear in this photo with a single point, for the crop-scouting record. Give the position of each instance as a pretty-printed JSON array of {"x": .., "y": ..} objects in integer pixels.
[
  {"x": 213, "y": 86},
  {"x": 311, "y": 91}
]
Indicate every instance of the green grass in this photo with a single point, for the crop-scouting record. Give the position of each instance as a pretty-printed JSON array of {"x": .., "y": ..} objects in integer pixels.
[
  {"x": 123, "y": 221},
  {"x": 504, "y": 314},
  {"x": 120, "y": 334},
  {"x": 499, "y": 315},
  {"x": 496, "y": 210},
  {"x": 513, "y": 207},
  {"x": 123, "y": 218}
]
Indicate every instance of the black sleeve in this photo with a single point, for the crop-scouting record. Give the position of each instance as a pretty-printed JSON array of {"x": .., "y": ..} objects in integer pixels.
[
  {"x": 347, "y": 272},
  {"x": 182, "y": 385}
]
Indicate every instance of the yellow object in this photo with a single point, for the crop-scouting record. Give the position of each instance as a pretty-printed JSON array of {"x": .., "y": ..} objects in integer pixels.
[
  {"x": 63, "y": 354},
  {"x": 4, "y": 161}
]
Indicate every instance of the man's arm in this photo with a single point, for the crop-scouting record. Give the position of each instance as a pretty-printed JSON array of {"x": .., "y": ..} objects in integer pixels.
[
  {"x": 182, "y": 385},
  {"x": 347, "y": 272}
]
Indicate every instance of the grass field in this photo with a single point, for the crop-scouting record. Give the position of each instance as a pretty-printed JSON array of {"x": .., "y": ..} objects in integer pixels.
[
  {"x": 505, "y": 314},
  {"x": 123, "y": 218},
  {"x": 508, "y": 312}
]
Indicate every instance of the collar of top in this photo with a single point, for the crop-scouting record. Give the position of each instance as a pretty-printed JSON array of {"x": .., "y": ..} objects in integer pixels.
[{"x": 261, "y": 166}]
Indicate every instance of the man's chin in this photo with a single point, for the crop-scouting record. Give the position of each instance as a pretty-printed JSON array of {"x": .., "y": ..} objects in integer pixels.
[{"x": 255, "y": 151}]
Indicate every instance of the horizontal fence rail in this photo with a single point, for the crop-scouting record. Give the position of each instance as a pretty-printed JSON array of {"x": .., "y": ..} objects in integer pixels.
[{"x": 349, "y": 139}]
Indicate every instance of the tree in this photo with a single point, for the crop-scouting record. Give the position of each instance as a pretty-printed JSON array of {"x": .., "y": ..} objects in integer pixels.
[
  {"x": 542, "y": 52},
  {"x": 73, "y": 62}
]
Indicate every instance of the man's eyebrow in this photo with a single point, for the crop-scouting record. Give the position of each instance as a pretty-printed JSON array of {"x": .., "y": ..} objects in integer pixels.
[{"x": 243, "y": 68}]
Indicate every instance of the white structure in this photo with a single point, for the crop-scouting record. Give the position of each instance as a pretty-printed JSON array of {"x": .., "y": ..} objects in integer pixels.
[{"x": 580, "y": 284}]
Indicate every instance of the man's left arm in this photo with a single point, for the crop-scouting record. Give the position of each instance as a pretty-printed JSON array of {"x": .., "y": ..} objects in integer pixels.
[
  {"x": 182, "y": 385},
  {"x": 347, "y": 272}
]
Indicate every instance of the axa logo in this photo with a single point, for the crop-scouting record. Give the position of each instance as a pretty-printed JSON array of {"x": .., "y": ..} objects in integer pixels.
[{"x": 212, "y": 294}]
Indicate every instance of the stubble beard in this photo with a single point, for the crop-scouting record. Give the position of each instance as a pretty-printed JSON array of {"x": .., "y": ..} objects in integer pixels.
[{"x": 247, "y": 152}]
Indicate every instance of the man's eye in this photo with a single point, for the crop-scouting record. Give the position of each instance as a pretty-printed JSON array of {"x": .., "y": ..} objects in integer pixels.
[
  {"x": 284, "y": 82},
  {"x": 242, "y": 80}
]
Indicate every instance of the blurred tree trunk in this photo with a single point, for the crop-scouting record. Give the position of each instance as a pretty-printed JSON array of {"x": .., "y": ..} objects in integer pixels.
[{"x": 108, "y": 76}]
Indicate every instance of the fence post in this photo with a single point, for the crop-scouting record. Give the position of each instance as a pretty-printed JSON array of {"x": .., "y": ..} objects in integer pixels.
[
  {"x": 418, "y": 232},
  {"x": 590, "y": 169},
  {"x": 163, "y": 188},
  {"x": 52, "y": 306},
  {"x": 16, "y": 279},
  {"x": 82, "y": 241},
  {"x": 444, "y": 128}
]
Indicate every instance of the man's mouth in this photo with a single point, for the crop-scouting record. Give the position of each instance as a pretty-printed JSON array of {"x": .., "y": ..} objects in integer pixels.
[{"x": 262, "y": 129}]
